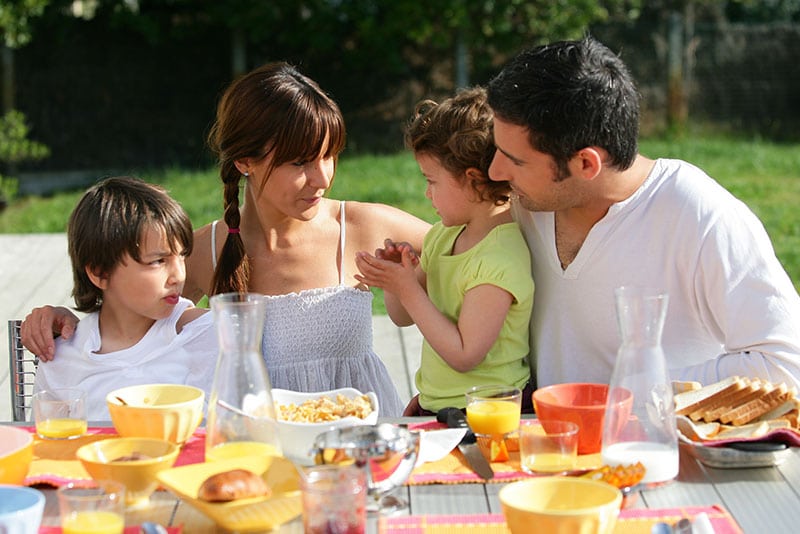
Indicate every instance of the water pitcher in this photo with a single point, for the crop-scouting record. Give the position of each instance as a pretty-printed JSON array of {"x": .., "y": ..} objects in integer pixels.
[
  {"x": 639, "y": 421},
  {"x": 241, "y": 415}
]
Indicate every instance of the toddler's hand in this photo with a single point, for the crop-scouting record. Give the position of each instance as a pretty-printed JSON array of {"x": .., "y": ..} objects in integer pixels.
[{"x": 392, "y": 251}]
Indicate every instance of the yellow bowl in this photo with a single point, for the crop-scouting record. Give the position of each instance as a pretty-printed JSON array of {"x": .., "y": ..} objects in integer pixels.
[
  {"x": 170, "y": 412},
  {"x": 112, "y": 459},
  {"x": 16, "y": 454},
  {"x": 560, "y": 505},
  {"x": 255, "y": 514}
]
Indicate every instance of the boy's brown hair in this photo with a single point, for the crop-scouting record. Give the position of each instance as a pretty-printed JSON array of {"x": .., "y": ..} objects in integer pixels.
[
  {"x": 108, "y": 223},
  {"x": 458, "y": 133}
]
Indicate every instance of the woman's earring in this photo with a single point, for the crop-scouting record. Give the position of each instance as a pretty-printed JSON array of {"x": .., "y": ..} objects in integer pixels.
[{"x": 246, "y": 174}]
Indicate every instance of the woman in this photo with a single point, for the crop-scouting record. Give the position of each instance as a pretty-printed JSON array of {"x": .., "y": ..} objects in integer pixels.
[{"x": 277, "y": 137}]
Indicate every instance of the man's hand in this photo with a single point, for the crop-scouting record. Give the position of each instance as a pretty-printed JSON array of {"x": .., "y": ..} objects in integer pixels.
[{"x": 41, "y": 325}]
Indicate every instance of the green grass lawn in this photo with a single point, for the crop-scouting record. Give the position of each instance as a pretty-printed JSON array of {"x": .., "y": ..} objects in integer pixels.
[{"x": 764, "y": 175}]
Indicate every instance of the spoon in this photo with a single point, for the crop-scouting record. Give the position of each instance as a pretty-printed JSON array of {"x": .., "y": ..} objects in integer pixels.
[{"x": 121, "y": 400}]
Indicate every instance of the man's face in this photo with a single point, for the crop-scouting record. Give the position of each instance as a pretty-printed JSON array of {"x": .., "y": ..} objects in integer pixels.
[{"x": 533, "y": 175}]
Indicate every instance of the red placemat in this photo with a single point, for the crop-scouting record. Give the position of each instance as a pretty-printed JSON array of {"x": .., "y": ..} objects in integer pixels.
[
  {"x": 136, "y": 529},
  {"x": 54, "y": 462},
  {"x": 629, "y": 522},
  {"x": 454, "y": 469}
]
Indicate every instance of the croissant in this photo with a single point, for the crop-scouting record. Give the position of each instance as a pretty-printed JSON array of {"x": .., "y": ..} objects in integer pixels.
[{"x": 233, "y": 485}]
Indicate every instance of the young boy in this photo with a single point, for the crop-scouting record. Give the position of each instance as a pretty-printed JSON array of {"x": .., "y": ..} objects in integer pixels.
[
  {"x": 127, "y": 243},
  {"x": 472, "y": 293}
]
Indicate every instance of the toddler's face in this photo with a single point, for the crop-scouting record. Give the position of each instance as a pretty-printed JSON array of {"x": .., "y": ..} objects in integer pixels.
[{"x": 450, "y": 198}]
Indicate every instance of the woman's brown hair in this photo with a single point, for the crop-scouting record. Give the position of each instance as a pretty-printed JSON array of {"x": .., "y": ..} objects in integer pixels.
[
  {"x": 274, "y": 111},
  {"x": 458, "y": 133}
]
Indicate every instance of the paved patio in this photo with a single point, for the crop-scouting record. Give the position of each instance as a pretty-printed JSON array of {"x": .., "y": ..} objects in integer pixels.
[{"x": 35, "y": 270}]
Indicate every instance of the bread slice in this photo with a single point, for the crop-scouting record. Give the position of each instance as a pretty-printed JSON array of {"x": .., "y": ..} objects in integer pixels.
[
  {"x": 753, "y": 430},
  {"x": 757, "y": 407},
  {"x": 682, "y": 386},
  {"x": 711, "y": 410},
  {"x": 697, "y": 431},
  {"x": 755, "y": 389},
  {"x": 782, "y": 410},
  {"x": 689, "y": 401}
]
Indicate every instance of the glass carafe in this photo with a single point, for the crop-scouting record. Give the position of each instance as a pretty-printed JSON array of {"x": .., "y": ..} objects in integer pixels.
[
  {"x": 639, "y": 421},
  {"x": 241, "y": 415}
]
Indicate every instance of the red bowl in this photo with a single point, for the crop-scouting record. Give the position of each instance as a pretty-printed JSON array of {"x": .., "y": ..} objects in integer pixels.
[{"x": 582, "y": 403}]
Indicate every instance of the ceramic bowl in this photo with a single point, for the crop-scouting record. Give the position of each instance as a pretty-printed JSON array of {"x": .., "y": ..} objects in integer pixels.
[
  {"x": 581, "y": 403},
  {"x": 297, "y": 439},
  {"x": 133, "y": 462},
  {"x": 16, "y": 454},
  {"x": 171, "y": 412},
  {"x": 252, "y": 514},
  {"x": 21, "y": 509},
  {"x": 560, "y": 504}
]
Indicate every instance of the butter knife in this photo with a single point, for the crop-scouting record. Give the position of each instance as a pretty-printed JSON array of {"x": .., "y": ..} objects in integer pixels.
[{"x": 454, "y": 418}]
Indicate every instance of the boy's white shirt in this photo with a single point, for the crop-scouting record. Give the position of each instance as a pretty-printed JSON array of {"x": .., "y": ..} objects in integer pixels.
[
  {"x": 161, "y": 356},
  {"x": 732, "y": 307}
]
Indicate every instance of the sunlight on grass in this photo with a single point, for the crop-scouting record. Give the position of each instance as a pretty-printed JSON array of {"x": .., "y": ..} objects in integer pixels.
[{"x": 765, "y": 175}]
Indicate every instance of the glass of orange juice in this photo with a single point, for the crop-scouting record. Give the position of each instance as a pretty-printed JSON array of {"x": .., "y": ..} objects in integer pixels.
[
  {"x": 494, "y": 411},
  {"x": 97, "y": 509},
  {"x": 60, "y": 413}
]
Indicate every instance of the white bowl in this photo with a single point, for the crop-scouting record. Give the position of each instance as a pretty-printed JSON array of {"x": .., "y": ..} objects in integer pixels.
[
  {"x": 297, "y": 439},
  {"x": 21, "y": 509}
]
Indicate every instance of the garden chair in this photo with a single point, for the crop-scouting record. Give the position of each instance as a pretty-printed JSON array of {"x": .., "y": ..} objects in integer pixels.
[{"x": 22, "y": 371}]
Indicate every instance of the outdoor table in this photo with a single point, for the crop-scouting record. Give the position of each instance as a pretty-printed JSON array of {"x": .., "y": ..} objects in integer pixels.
[{"x": 763, "y": 499}]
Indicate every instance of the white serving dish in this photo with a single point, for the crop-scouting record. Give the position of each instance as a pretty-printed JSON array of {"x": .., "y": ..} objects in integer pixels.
[{"x": 297, "y": 439}]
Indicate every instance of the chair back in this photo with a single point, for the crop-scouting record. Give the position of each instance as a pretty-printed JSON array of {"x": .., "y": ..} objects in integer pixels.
[{"x": 22, "y": 368}]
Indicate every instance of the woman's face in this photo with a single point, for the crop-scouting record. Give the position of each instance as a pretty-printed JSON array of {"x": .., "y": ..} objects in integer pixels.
[{"x": 294, "y": 189}]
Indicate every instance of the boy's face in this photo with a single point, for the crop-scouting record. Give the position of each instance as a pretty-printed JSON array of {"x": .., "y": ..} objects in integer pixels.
[{"x": 148, "y": 289}]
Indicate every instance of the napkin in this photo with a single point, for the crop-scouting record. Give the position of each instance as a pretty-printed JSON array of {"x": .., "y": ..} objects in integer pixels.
[{"x": 436, "y": 444}]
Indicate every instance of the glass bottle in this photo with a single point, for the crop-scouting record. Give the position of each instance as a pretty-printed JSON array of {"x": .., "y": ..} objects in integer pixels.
[
  {"x": 241, "y": 414},
  {"x": 639, "y": 421}
]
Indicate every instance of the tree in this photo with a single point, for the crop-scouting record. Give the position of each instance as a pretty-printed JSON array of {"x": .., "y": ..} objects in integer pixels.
[{"x": 15, "y": 30}]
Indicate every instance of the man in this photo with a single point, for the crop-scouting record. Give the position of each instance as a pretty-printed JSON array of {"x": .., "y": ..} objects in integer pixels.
[{"x": 598, "y": 215}]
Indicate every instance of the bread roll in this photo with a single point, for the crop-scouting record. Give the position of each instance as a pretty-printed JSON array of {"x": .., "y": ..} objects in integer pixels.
[{"x": 232, "y": 485}]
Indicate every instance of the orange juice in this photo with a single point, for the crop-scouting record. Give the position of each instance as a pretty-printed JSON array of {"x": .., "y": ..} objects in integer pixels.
[
  {"x": 237, "y": 449},
  {"x": 93, "y": 522},
  {"x": 61, "y": 428},
  {"x": 493, "y": 417}
]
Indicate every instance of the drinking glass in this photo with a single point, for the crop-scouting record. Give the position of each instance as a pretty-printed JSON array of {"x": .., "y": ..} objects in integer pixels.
[
  {"x": 98, "y": 509},
  {"x": 548, "y": 447},
  {"x": 494, "y": 411},
  {"x": 60, "y": 413},
  {"x": 334, "y": 500}
]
